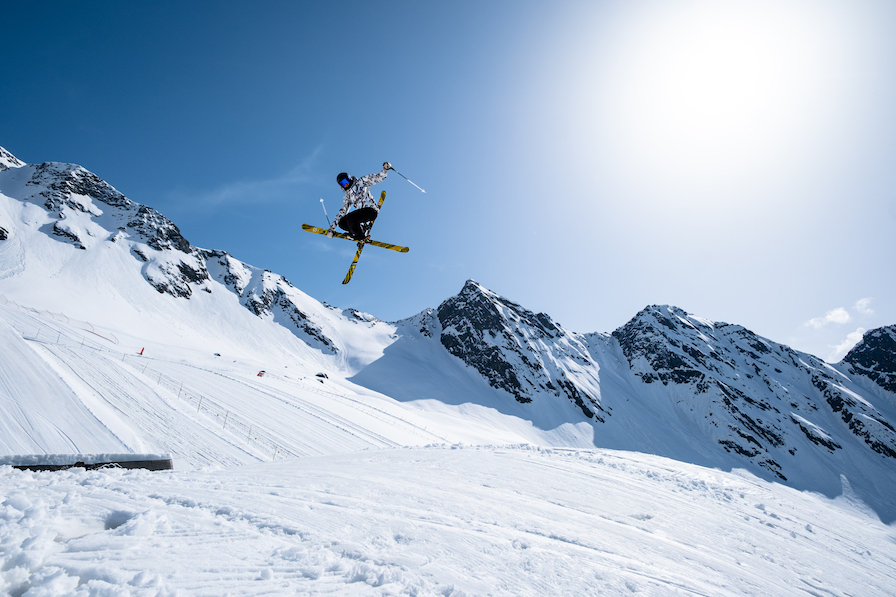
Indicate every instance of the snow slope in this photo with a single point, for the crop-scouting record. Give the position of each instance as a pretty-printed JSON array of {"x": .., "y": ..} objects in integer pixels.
[
  {"x": 667, "y": 383},
  {"x": 331, "y": 473},
  {"x": 203, "y": 409},
  {"x": 437, "y": 521}
]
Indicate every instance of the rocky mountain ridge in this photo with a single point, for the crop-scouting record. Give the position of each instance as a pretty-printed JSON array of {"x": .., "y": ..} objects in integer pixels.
[
  {"x": 873, "y": 357},
  {"x": 727, "y": 397},
  {"x": 86, "y": 211},
  {"x": 761, "y": 394},
  {"x": 516, "y": 350}
]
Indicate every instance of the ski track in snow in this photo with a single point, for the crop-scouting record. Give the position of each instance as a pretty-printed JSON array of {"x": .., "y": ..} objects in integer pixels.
[
  {"x": 435, "y": 521},
  {"x": 154, "y": 415},
  {"x": 360, "y": 518},
  {"x": 308, "y": 409},
  {"x": 300, "y": 420}
]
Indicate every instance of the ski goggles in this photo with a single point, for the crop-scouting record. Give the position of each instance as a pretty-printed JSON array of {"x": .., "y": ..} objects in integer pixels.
[{"x": 345, "y": 183}]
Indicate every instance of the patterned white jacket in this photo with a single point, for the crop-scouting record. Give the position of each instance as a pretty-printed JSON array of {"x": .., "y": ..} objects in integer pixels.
[{"x": 358, "y": 195}]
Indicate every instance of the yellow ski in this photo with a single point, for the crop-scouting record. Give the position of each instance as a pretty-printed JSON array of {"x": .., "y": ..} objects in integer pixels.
[
  {"x": 361, "y": 243},
  {"x": 375, "y": 243}
]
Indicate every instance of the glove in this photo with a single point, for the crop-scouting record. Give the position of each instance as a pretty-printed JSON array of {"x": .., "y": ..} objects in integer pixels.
[
  {"x": 329, "y": 234},
  {"x": 387, "y": 166}
]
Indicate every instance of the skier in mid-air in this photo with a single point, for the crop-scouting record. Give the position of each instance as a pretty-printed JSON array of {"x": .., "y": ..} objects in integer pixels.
[{"x": 357, "y": 195}]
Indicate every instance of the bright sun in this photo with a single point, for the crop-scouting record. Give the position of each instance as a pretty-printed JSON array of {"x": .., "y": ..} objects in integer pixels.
[{"x": 709, "y": 90}]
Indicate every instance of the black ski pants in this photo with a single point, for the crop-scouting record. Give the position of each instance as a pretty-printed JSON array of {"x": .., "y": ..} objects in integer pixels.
[{"x": 351, "y": 222}]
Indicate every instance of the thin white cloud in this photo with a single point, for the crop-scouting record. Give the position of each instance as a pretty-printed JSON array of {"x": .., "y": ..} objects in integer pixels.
[
  {"x": 863, "y": 306},
  {"x": 255, "y": 191},
  {"x": 844, "y": 347},
  {"x": 838, "y": 315}
]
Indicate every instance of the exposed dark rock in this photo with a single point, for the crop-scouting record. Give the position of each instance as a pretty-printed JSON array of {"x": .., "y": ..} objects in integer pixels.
[
  {"x": 306, "y": 325},
  {"x": 748, "y": 378},
  {"x": 7, "y": 160},
  {"x": 60, "y": 181},
  {"x": 875, "y": 357},
  {"x": 269, "y": 299},
  {"x": 160, "y": 233},
  {"x": 68, "y": 235},
  {"x": 191, "y": 274},
  {"x": 815, "y": 437},
  {"x": 640, "y": 338},
  {"x": 865, "y": 422},
  {"x": 505, "y": 343}
]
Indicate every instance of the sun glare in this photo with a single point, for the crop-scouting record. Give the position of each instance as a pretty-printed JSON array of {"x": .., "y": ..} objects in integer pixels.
[{"x": 713, "y": 90}]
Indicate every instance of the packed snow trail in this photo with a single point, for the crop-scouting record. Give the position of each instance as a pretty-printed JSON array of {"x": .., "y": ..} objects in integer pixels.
[
  {"x": 41, "y": 412},
  {"x": 436, "y": 521},
  {"x": 204, "y": 410}
]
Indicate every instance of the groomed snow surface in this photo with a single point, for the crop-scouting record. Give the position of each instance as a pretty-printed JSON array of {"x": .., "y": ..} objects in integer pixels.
[
  {"x": 289, "y": 484},
  {"x": 348, "y": 492},
  {"x": 437, "y": 520}
]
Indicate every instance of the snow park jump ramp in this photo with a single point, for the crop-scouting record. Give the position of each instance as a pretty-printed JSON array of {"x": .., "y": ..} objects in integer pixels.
[{"x": 59, "y": 462}]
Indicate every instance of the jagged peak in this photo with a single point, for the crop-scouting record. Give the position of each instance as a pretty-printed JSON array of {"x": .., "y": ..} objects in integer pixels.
[
  {"x": 883, "y": 338},
  {"x": 875, "y": 356},
  {"x": 59, "y": 184},
  {"x": 63, "y": 179},
  {"x": 672, "y": 317},
  {"x": 474, "y": 293},
  {"x": 472, "y": 288},
  {"x": 7, "y": 160},
  {"x": 488, "y": 310}
]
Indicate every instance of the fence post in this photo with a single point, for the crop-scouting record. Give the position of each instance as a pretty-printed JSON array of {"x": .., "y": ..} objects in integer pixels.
[
  {"x": 225, "y": 420},
  {"x": 200, "y": 404},
  {"x": 181, "y": 389},
  {"x": 160, "y": 379}
]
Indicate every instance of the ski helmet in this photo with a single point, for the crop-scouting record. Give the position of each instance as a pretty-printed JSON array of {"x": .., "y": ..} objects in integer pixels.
[{"x": 344, "y": 180}]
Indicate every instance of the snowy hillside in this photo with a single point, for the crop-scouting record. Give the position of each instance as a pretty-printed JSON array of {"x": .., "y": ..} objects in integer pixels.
[
  {"x": 667, "y": 382},
  {"x": 77, "y": 308},
  {"x": 743, "y": 400},
  {"x": 117, "y": 335},
  {"x": 436, "y": 522}
]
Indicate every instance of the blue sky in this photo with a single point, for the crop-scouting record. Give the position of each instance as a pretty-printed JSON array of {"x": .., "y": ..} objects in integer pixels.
[{"x": 582, "y": 158}]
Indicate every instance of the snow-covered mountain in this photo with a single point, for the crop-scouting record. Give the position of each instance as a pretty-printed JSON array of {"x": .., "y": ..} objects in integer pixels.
[
  {"x": 667, "y": 383},
  {"x": 460, "y": 451}
]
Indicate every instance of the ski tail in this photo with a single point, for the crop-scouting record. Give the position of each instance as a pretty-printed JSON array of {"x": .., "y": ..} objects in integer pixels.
[
  {"x": 369, "y": 241},
  {"x": 351, "y": 269}
]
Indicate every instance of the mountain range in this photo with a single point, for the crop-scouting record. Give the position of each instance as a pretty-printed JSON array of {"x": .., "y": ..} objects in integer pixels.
[{"x": 668, "y": 382}]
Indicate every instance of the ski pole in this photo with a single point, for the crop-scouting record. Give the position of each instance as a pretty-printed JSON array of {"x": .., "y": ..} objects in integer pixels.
[
  {"x": 326, "y": 215},
  {"x": 406, "y": 178}
]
